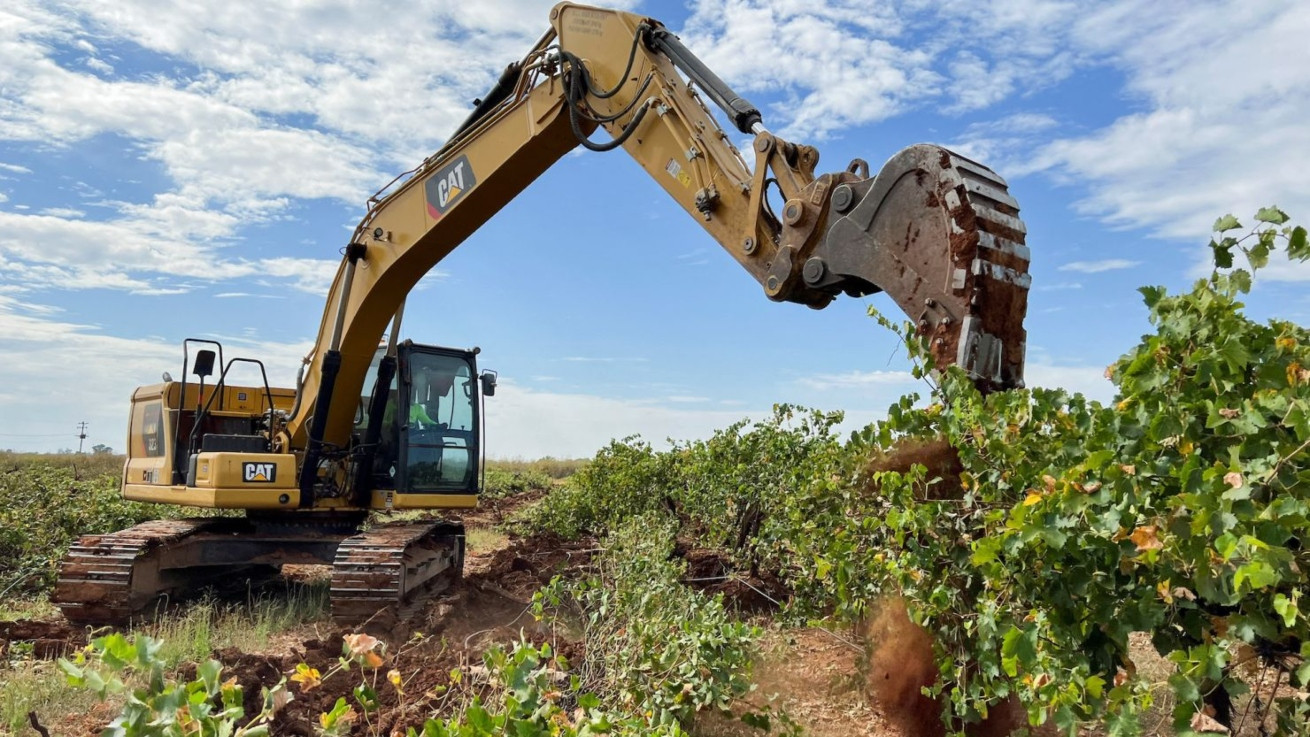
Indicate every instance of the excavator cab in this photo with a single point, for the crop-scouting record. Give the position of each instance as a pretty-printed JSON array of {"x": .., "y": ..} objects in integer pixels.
[{"x": 429, "y": 436}]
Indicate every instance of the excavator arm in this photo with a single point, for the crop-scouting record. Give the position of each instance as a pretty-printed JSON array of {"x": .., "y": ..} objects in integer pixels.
[{"x": 939, "y": 233}]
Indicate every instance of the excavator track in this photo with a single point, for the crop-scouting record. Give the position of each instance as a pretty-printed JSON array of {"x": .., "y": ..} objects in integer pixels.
[
  {"x": 395, "y": 565},
  {"x": 115, "y": 578},
  {"x": 109, "y": 579}
]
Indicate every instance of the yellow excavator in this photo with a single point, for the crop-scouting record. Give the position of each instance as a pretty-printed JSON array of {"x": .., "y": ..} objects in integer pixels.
[{"x": 379, "y": 424}]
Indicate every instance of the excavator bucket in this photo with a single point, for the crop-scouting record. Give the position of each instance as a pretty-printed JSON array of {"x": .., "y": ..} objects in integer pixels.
[{"x": 941, "y": 235}]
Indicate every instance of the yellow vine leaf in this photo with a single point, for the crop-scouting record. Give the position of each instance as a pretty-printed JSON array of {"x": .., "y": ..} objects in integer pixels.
[
  {"x": 308, "y": 678},
  {"x": 1146, "y": 538}
]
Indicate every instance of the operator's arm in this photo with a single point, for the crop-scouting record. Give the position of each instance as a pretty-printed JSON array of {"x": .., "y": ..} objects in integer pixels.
[
  {"x": 937, "y": 232},
  {"x": 419, "y": 414}
]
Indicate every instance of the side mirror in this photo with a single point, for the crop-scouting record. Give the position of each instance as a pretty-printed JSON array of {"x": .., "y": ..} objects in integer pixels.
[
  {"x": 488, "y": 383},
  {"x": 204, "y": 364}
]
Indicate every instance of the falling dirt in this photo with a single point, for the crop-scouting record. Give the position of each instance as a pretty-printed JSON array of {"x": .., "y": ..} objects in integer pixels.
[
  {"x": 940, "y": 460},
  {"x": 899, "y": 661},
  {"x": 900, "y": 664}
]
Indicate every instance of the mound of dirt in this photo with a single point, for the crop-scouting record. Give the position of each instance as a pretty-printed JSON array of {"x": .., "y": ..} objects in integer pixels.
[
  {"x": 49, "y": 639},
  {"x": 711, "y": 572},
  {"x": 526, "y": 564}
]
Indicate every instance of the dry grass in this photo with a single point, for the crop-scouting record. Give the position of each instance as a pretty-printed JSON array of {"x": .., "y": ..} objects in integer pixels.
[
  {"x": 84, "y": 465},
  {"x": 194, "y": 633},
  {"x": 38, "y": 685},
  {"x": 26, "y": 608},
  {"x": 483, "y": 540},
  {"x": 556, "y": 468}
]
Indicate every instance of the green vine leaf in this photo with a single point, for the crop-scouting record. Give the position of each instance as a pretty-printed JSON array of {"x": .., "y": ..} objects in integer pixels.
[{"x": 1271, "y": 215}]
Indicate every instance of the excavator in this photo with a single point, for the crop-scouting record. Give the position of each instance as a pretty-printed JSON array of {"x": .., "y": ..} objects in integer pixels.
[{"x": 375, "y": 423}]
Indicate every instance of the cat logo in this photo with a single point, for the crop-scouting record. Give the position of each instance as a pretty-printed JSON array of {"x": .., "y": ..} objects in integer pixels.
[
  {"x": 259, "y": 473},
  {"x": 444, "y": 188}
]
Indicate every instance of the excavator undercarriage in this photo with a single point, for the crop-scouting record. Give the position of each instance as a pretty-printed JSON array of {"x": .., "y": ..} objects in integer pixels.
[{"x": 135, "y": 573}]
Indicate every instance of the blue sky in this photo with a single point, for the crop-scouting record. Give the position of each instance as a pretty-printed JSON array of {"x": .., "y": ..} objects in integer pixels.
[{"x": 194, "y": 171}]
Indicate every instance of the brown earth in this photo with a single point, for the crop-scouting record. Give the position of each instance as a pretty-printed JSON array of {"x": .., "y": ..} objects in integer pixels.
[{"x": 49, "y": 639}]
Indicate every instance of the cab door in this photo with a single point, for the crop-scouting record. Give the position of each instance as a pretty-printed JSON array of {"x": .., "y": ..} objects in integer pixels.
[{"x": 439, "y": 419}]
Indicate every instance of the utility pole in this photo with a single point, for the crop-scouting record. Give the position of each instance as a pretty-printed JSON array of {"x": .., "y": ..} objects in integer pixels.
[{"x": 81, "y": 435}]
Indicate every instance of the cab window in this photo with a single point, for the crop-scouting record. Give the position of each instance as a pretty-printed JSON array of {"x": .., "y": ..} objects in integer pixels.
[{"x": 440, "y": 424}]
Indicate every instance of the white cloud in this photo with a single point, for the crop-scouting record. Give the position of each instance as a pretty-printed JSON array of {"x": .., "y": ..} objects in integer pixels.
[
  {"x": 99, "y": 65},
  {"x": 532, "y": 424},
  {"x": 1089, "y": 381},
  {"x": 850, "y": 62},
  {"x": 141, "y": 253},
  {"x": 1226, "y": 91},
  {"x": 1096, "y": 267},
  {"x": 857, "y": 379},
  {"x": 217, "y": 134},
  {"x": 72, "y": 371},
  {"x": 833, "y": 77},
  {"x": 63, "y": 212},
  {"x": 1003, "y": 144},
  {"x": 696, "y": 257},
  {"x": 1283, "y": 270},
  {"x": 309, "y": 59},
  {"x": 312, "y": 275},
  {"x": 1059, "y": 287},
  {"x": 14, "y": 168}
]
